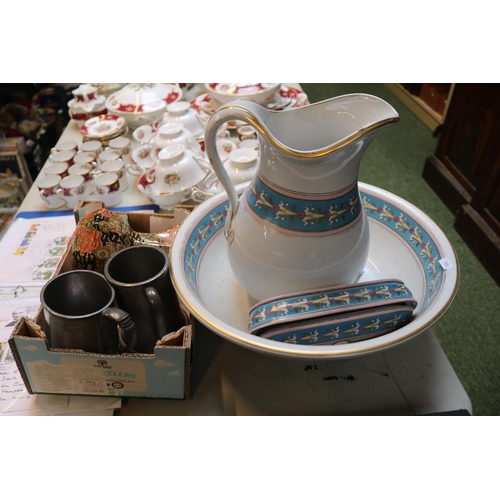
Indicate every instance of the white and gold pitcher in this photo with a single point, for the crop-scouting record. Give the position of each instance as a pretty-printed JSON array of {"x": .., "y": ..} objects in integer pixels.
[{"x": 300, "y": 223}]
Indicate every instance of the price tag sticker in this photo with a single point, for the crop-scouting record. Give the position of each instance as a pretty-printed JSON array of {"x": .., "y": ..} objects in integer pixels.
[{"x": 445, "y": 263}]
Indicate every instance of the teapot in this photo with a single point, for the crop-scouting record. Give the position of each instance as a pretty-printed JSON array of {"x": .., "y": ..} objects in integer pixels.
[{"x": 300, "y": 223}]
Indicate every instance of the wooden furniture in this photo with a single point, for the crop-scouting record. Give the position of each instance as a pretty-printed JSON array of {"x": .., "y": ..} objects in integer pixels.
[
  {"x": 418, "y": 97},
  {"x": 465, "y": 170}
]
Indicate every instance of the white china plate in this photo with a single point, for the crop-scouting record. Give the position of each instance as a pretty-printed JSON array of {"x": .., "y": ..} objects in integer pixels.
[
  {"x": 404, "y": 243},
  {"x": 102, "y": 126}
]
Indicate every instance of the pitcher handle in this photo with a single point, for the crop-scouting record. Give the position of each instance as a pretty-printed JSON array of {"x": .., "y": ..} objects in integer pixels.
[
  {"x": 225, "y": 113},
  {"x": 124, "y": 321}
]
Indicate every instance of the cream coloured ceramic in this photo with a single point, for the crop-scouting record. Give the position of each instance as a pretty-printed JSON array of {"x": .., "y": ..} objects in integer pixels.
[
  {"x": 93, "y": 146},
  {"x": 72, "y": 189},
  {"x": 141, "y": 103},
  {"x": 107, "y": 186},
  {"x": 103, "y": 127},
  {"x": 59, "y": 168},
  {"x": 300, "y": 225},
  {"x": 285, "y": 98},
  {"x": 86, "y": 170},
  {"x": 404, "y": 244},
  {"x": 182, "y": 112},
  {"x": 118, "y": 167},
  {"x": 166, "y": 200},
  {"x": 241, "y": 165},
  {"x": 121, "y": 145},
  {"x": 142, "y": 159},
  {"x": 65, "y": 146},
  {"x": 47, "y": 187},
  {"x": 225, "y": 147},
  {"x": 177, "y": 169},
  {"x": 172, "y": 133},
  {"x": 261, "y": 93},
  {"x": 87, "y": 103},
  {"x": 144, "y": 133},
  {"x": 249, "y": 144},
  {"x": 63, "y": 157}
]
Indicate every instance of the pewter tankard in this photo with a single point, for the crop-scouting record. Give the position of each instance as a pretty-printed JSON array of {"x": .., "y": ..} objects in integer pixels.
[
  {"x": 79, "y": 314},
  {"x": 141, "y": 279}
]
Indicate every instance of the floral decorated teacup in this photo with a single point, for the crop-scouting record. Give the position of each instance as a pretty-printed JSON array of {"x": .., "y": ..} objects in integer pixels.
[
  {"x": 107, "y": 186},
  {"x": 72, "y": 189},
  {"x": 117, "y": 167},
  {"x": 47, "y": 187}
]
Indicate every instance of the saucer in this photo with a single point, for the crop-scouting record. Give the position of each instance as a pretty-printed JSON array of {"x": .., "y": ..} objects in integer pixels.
[
  {"x": 144, "y": 133},
  {"x": 103, "y": 127},
  {"x": 404, "y": 244},
  {"x": 143, "y": 156}
]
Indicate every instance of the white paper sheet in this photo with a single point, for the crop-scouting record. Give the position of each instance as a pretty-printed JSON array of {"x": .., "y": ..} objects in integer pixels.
[{"x": 31, "y": 249}]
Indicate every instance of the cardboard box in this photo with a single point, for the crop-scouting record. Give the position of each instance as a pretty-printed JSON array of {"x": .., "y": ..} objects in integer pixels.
[{"x": 163, "y": 374}]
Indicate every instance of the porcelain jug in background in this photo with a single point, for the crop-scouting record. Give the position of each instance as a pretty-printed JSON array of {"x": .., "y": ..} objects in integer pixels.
[{"x": 300, "y": 223}]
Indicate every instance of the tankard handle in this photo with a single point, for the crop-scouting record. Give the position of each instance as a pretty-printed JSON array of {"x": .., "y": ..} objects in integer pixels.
[
  {"x": 235, "y": 110},
  {"x": 124, "y": 321},
  {"x": 156, "y": 308}
]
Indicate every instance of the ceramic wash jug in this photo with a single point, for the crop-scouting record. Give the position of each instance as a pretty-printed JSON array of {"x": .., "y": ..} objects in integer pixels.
[{"x": 300, "y": 223}]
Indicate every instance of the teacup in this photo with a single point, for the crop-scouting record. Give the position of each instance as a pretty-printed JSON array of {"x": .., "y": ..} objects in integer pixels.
[
  {"x": 117, "y": 167},
  {"x": 65, "y": 146},
  {"x": 47, "y": 187},
  {"x": 121, "y": 145},
  {"x": 86, "y": 171},
  {"x": 174, "y": 133},
  {"x": 91, "y": 147},
  {"x": 246, "y": 132},
  {"x": 108, "y": 154},
  {"x": 63, "y": 157},
  {"x": 244, "y": 158},
  {"x": 89, "y": 157},
  {"x": 107, "y": 186},
  {"x": 182, "y": 112},
  {"x": 72, "y": 189},
  {"x": 59, "y": 168}
]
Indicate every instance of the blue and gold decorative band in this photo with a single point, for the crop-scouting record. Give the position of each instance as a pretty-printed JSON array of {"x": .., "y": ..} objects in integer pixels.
[{"x": 290, "y": 214}]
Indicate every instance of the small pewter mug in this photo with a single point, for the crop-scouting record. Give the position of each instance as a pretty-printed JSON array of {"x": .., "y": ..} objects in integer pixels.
[
  {"x": 141, "y": 279},
  {"x": 79, "y": 314}
]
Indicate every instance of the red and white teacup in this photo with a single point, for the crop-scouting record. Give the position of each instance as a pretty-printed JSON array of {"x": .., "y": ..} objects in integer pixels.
[
  {"x": 107, "y": 186},
  {"x": 59, "y": 168},
  {"x": 65, "y": 146},
  {"x": 63, "y": 157},
  {"x": 48, "y": 186},
  {"x": 246, "y": 132},
  {"x": 117, "y": 167},
  {"x": 91, "y": 147},
  {"x": 122, "y": 146},
  {"x": 86, "y": 171},
  {"x": 72, "y": 189}
]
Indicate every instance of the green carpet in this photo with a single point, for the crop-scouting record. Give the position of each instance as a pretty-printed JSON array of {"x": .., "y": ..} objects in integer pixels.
[{"x": 469, "y": 332}]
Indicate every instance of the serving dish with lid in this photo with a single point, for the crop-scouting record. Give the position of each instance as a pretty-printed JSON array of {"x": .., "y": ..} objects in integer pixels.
[{"x": 141, "y": 103}]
